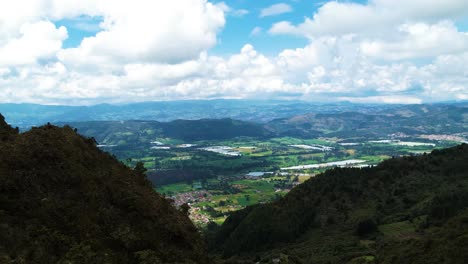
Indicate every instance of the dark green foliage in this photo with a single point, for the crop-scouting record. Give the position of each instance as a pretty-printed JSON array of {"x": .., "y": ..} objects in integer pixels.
[
  {"x": 6, "y": 131},
  {"x": 406, "y": 210},
  {"x": 140, "y": 168},
  {"x": 132, "y": 132},
  {"x": 62, "y": 200},
  {"x": 366, "y": 227}
]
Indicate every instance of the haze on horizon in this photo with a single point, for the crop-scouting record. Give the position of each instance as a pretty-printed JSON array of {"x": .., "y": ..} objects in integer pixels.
[{"x": 80, "y": 52}]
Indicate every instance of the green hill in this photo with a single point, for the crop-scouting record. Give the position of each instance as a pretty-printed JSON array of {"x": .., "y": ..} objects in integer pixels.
[
  {"x": 406, "y": 210},
  {"x": 138, "y": 132},
  {"x": 410, "y": 119},
  {"x": 62, "y": 200}
]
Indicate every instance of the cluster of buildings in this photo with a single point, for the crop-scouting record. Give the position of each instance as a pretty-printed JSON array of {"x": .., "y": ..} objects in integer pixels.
[
  {"x": 197, "y": 217},
  {"x": 191, "y": 197}
]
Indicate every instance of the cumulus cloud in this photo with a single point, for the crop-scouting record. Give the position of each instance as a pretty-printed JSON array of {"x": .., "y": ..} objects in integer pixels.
[
  {"x": 418, "y": 40},
  {"x": 39, "y": 40},
  {"x": 342, "y": 18},
  {"x": 146, "y": 30},
  {"x": 276, "y": 9},
  {"x": 392, "y": 30},
  {"x": 390, "y": 51}
]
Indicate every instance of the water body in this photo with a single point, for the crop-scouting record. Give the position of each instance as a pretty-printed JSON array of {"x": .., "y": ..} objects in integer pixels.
[{"x": 342, "y": 163}]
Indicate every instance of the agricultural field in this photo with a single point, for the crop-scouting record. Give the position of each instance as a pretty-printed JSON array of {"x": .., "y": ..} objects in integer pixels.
[{"x": 215, "y": 177}]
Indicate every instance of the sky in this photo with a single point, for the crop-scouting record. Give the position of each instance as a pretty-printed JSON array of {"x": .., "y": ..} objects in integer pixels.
[{"x": 82, "y": 52}]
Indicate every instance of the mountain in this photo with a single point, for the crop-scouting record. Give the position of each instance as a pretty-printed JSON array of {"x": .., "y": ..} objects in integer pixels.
[
  {"x": 137, "y": 132},
  {"x": 412, "y": 120},
  {"x": 62, "y": 200},
  {"x": 408, "y": 119},
  {"x": 405, "y": 210},
  {"x": 27, "y": 115}
]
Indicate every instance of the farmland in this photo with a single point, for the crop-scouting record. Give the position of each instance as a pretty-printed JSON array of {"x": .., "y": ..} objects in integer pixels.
[
  {"x": 221, "y": 165},
  {"x": 216, "y": 177}
]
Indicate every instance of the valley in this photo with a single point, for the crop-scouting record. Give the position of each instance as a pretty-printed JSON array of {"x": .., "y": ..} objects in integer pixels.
[
  {"x": 216, "y": 177},
  {"x": 217, "y": 166},
  {"x": 277, "y": 190},
  {"x": 234, "y": 132}
]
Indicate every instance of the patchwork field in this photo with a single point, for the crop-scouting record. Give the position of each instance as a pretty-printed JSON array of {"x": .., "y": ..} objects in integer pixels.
[{"x": 215, "y": 177}]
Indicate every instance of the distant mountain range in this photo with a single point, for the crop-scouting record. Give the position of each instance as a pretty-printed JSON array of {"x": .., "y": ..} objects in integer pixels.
[
  {"x": 408, "y": 120},
  {"x": 27, "y": 115}
]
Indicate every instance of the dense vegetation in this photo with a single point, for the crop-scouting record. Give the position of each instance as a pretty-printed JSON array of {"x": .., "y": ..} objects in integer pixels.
[
  {"x": 140, "y": 132},
  {"x": 406, "y": 210},
  {"x": 62, "y": 200}
]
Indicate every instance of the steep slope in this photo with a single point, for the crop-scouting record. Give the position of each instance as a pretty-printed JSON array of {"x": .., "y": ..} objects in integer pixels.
[
  {"x": 406, "y": 210},
  {"x": 62, "y": 200}
]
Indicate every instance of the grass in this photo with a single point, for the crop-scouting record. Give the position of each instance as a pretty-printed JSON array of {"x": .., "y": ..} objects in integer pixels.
[
  {"x": 398, "y": 230},
  {"x": 303, "y": 178},
  {"x": 175, "y": 188},
  {"x": 268, "y": 155}
]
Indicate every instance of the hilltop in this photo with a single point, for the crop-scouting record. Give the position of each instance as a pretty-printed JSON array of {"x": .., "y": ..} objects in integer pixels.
[
  {"x": 405, "y": 210},
  {"x": 62, "y": 200}
]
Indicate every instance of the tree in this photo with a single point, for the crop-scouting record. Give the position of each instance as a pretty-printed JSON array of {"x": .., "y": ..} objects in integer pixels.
[
  {"x": 140, "y": 168},
  {"x": 185, "y": 208}
]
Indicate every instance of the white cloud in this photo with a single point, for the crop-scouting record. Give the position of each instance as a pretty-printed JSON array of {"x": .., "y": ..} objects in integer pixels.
[
  {"x": 276, "y": 9},
  {"x": 256, "y": 31},
  {"x": 230, "y": 11},
  {"x": 159, "y": 50},
  {"x": 418, "y": 41},
  {"x": 39, "y": 40},
  {"x": 338, "y": 18},
  {"x": 383, "y": 99},
  {"x": 239, "y": 12},
  {"x": 153, "y": 31},
  {"x": 388, "y": 29}
]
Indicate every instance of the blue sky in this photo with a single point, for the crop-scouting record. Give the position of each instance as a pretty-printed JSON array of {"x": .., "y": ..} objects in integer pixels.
[
  {"x": 96, "y": 51},
  {"x": 238, "y": 28}
]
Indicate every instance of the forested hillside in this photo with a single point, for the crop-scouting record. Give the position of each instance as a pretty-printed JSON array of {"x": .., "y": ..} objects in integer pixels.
[
  {"x": 138, "y": 132},
  {"x": 406, "y": 210},
  {"x": 62, "y": 200},
  {"x": 412, "y": 120}
]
